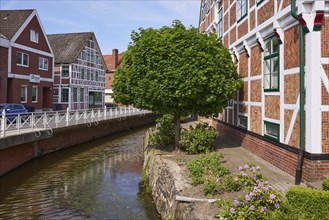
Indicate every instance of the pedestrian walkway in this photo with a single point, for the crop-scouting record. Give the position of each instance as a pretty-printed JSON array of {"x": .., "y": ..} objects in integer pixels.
[{"x": 235, "y": 156}]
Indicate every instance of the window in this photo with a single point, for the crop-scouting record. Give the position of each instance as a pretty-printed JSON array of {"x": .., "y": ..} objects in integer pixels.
[
  {"x": 95, "y": 98},
  {"x": 259, "y": 1},
  {"x": 88, "y": 74},
  {"x": 65, "y": 95},
  {"x": 65, "y": 70},
  {"x": 220, "y": 24},
  {"x": 96, "y": 75},
  {"x": 241, "y": 9},
  {"x": 208, "y": 5},
  {"x": 271, "y": 64},
  {"x": 43, "y": 63},
  {"x": 75, "y": 94},
  {"x": 23, "y": 94},
  {"x": 82, "y": 93},
  {"x": 82, "y": 73},
  {"x": 243, "y": 122},
  {"x": 34, "y": 94},
  {"x": 34, "y": 36},
  {"x": 22, "y": 59},
  {"x": 272, "y": 130}
]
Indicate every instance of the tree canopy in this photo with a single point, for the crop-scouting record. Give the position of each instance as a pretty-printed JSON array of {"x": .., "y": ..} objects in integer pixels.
[{"x": 176, "y": 70}]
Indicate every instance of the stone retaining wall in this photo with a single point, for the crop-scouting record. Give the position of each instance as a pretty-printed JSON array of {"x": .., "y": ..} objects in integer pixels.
[{"x": 17, "y": 150}]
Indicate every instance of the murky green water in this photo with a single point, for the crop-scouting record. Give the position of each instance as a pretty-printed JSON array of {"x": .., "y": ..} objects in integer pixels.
[{"x": 96, "y": 180}]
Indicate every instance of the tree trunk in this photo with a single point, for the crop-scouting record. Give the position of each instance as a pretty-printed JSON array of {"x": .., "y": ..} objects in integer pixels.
[{"x": 177, "y": 130}]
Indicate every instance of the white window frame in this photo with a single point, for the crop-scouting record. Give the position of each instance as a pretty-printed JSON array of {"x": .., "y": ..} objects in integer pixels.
[
  {"x": 25, "y": 94},
  {"x": 36, "y": 94},
  {"x": 68, "y": 95},
  {"x": 43, "y": 63},
  {"x": 220, "y": 23},
  {"x": 62, "y": 71},
  {"x": 34, "y": 36},
  {"x": 240, "y": 5},
  {"x": 22, "y": 59}
]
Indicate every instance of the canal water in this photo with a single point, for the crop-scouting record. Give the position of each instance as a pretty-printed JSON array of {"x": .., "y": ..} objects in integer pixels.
[{"x": 95, "y": 180}]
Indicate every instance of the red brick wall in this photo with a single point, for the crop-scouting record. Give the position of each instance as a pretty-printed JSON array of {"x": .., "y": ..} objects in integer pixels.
[
  {"x": 291, "y": 45},
  {"x": 325, "y": 132},
  {"x": 252, "y": 20},
  {"x": 24, "y": 37},
  {"x": 282, "y": 158},
  {"x": 265, "y": 12},
  {"x": 256, "y": 61},
  {"x": 243, "y": 108},
  {"x": 233, "y": 15},
  {"x": 233, "y": 35},
  {"x": 256, "y": 90},
  {"x": 291, "y": 88},
  {"x": 256, "y": 119},
  {"x": 294, "y": 139},
  {"x": 325, "y": 37},
  {"x": 243, "y": 64},
  {"x": 286, "y": 3},
  {"x": 272, "y": 107},
  {"x": 243, "y": 29},
  {"x": 243, "y": 92},
  {"x": 14, "y": 156},
  {"x": 3, "y": 74}
]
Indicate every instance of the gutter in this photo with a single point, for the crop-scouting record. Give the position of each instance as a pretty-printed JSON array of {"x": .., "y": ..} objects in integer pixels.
[{"x": 301, "y": 153}]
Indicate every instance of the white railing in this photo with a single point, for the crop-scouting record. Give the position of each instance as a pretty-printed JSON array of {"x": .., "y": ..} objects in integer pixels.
[{"x": 11, "y": 124}]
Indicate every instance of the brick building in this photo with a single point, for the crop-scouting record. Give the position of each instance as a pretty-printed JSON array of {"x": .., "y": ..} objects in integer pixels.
[
  {"x": 79, "y": 72},
  {"x": 26, "y": 60},
  {"x": 264, "y": 39},
  {"x": 112, "y": 62}
]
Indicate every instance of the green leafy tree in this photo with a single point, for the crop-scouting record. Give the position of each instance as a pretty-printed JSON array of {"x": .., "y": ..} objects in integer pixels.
[{"x": 176, "y": 70}]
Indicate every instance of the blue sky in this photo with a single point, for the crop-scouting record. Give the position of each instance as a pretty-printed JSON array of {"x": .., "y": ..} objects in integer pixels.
[{"x": 111, "y": 20}]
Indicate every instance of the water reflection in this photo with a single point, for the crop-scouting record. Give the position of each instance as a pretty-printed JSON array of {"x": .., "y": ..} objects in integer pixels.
[{"x": 97, "y": 180}]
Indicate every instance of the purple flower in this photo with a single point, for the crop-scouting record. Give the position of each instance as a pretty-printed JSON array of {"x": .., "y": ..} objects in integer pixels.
[
  {"x": 244, "y": 174},
  {"x": 246, "y": 166},
  {"x": 236, "y": 203},
  {"x": 232, "y": 210},
  {"x": 272, "y": 197},
  {"x": 240, "y": 168},
  {"x": 259, "y": 196},
  {"x": 247, "y": 197},
  {"x": 252, "y": 207},
  {"x": 276, "y": 205},
  {"x": 251, "y": 194},
  {"x": 258, "y": 168},
  {"x": 266, "y": 188},
  {"x": 254, "y": 177},
  {"x": 263, "y": 209}
]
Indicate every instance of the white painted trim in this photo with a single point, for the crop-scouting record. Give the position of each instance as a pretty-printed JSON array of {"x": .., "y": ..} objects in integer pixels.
[
  {"x": 281, "y": 86},
  {"x": 258, "y": 77},
  {"x": 4, "y": 42},
  {"x": 275, "y": 121},
  {"x": 292, "y": 122},
  {"x": 290, "y": 106},
  {"x": 324, "y": 60},
  {"x": 27, "y": 21},
  {"x": 291, "y": 71},
  {"x": 259, "y": 104},
  {"x": 9, "y": 59},
  {"x": 27, "y": 77},
  {"x": 30, "y": 49},
  {"x": 272, "y": 93},
  {"x": 324, "y": 108},
  {"x": 324, "y": 78}
]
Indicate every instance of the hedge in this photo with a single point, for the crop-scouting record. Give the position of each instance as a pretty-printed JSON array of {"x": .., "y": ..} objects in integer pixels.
[
  {"x": 313, "y": 202},
  {"x": 325, "y": 184}
]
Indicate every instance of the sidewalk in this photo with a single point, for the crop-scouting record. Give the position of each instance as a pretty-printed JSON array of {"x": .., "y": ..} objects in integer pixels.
[{"x": 235, "y": 156}]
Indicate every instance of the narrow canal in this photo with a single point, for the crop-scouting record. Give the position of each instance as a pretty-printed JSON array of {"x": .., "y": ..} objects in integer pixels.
[{"x": 95, "y": 180}]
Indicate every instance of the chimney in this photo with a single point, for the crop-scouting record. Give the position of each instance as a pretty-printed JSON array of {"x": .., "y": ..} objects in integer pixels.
[{"x": 115, "y": 58}]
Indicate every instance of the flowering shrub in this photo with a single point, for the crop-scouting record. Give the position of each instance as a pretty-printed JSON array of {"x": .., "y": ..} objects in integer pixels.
[
  {"x": 199, "y": 139},
  {"x": 259, "y": 200}
]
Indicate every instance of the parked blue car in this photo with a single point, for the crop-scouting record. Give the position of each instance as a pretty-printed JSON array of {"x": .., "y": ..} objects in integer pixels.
[{"x": 12, "y": 110}]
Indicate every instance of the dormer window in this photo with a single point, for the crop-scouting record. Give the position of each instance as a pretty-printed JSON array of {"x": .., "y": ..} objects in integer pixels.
[{"x": 34, "y": 36}]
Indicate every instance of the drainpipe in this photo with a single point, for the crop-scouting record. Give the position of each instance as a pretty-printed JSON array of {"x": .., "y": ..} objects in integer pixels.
[{"x": 298, "y": 177}]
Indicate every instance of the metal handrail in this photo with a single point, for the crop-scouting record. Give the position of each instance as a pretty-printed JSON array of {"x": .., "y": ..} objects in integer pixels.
[{"x": 11, "y": 124}]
